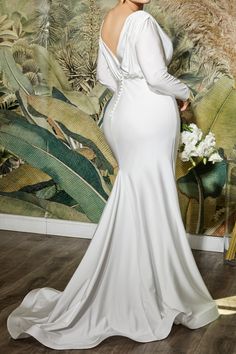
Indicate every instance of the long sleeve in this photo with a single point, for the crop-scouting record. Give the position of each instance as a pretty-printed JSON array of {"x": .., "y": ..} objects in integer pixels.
[
  {"x": 103, "y": 74},
  {"x": 151, "y": 58}
]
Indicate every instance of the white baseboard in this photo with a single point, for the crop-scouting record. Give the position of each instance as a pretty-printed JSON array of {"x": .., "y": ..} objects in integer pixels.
[
  {"x": 46, "y": 226},
  {"x": 206, "y": 243},
  {"x": 68, "y": 228}
]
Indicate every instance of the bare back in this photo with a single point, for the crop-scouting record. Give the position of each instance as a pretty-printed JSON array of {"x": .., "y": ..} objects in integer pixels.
[{"x": 112, "y": 27}]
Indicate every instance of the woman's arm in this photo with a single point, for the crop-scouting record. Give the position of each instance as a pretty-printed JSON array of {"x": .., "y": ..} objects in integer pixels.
[{"x": 151, "y": 59}]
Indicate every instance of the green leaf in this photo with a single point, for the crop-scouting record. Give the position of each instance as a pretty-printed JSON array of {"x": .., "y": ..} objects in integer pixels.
[
  {"x": 71, "y": 170},
  {"x": 78, "y": 125},
  {"x": 23, "y": 176},
  {"x": 51, "y": 191},
  {"x": 63, "y": 198},
  {"x": 215, "y": 112},
  {"x": 47, "y": 192},
  {"x": 8, "y": 34},
  {"x": 213, "y": 177},
  {"x": 14, "y": 76},
  {"x": 14, "y": 206},
  {"x": 89, "y": 105},
  {"x": 44, "y": 207},
  {"x": 51, "y": 70}
]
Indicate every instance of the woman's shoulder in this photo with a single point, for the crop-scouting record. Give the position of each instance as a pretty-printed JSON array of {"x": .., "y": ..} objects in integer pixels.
[
  {"x": 141, "y": 16},
  {"x": 144, "y": 19}
]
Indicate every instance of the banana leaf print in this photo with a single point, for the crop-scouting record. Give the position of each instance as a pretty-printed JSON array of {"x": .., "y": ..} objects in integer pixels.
[
  {"x": 215, "y": 112},
  {"x": 14, "y": 77},
  {"x": 20, "y": 203},
  {"x": 72, "y": 171},
  {"x": 213, "y": 177},
  {"x": 77, "y": 124},
  {"x": 48, "y": 84}
]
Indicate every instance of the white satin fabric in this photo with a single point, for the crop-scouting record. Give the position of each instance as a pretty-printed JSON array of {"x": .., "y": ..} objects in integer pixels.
[{"x": 138, "y": 275}]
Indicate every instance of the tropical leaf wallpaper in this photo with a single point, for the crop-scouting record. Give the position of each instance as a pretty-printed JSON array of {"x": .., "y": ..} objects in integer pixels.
[{"x": 54, "y": 159}]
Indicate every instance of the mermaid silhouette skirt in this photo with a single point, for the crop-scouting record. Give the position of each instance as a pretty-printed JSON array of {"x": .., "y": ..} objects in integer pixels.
[{"x": 138, "y": 276}]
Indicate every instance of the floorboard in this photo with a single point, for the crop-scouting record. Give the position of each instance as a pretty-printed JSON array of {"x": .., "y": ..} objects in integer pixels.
[{"x": 29, "y": 261}]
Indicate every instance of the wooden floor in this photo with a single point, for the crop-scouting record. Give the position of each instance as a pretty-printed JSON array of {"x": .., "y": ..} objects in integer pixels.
[{"x": 31, "y": 261}]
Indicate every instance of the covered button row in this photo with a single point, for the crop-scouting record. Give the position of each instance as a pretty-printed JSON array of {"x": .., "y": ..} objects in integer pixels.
[{"x": 121, "y": 82}]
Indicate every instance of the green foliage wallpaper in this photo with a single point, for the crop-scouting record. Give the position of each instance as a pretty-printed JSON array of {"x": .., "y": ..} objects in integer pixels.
[{"x": 54, "y": 159}]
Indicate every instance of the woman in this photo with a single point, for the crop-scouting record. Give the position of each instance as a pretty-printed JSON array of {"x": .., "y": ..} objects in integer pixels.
[{"x": 138, "y": 275}]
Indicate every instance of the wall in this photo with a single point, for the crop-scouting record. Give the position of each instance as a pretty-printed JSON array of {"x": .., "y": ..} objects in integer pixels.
[{"x": 55, "y": 162}]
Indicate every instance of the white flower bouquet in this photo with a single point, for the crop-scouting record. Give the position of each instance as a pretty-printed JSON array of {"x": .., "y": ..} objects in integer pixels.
[
  {"x": 196, "y": 148},
  {"x": 193, "y": 145}
]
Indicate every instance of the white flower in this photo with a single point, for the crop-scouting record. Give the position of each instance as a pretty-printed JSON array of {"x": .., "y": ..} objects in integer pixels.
[
  {"x": 189, "y": 151},
  {"x": 184, "y": 156},
  {"x": 210, "y": 139},
  {"x": 194, "y": 145},
  {"x": 191, "y": 137},
  {"x": 206, "y": 146},
  {"x": 215, "y": 157},
  {"x": 194, "y": 127},
  {"x": 203, "y": 149}
]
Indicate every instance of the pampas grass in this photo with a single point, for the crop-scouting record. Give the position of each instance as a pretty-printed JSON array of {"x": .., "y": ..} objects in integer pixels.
[
  {"x": 212, "y": 28},
  {"x": 227, "y": 5}
]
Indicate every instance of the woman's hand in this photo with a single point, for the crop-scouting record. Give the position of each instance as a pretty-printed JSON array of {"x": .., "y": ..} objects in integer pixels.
[{"x": 183, "y": 104}]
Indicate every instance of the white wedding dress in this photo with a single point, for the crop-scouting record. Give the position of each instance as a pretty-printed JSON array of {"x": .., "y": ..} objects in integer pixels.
[{"x": 138, "y": 275}]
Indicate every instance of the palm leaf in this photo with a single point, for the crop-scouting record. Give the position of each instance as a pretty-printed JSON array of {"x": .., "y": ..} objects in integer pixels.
[
  {"x": 23, "y": 200},
  {"x": 213, "y": 178},
  {"x": 72, "y": 171},
  {"x": 78, "y": 125},
  {"x": 14, "y": 76},
  {"x": 14, "y": 206},
  {"x": 50, "y": 68},
  {"x": 23, "y": 176},
  {"x": 215, "y": 112},
  {"x": 87, "y": 104}
]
